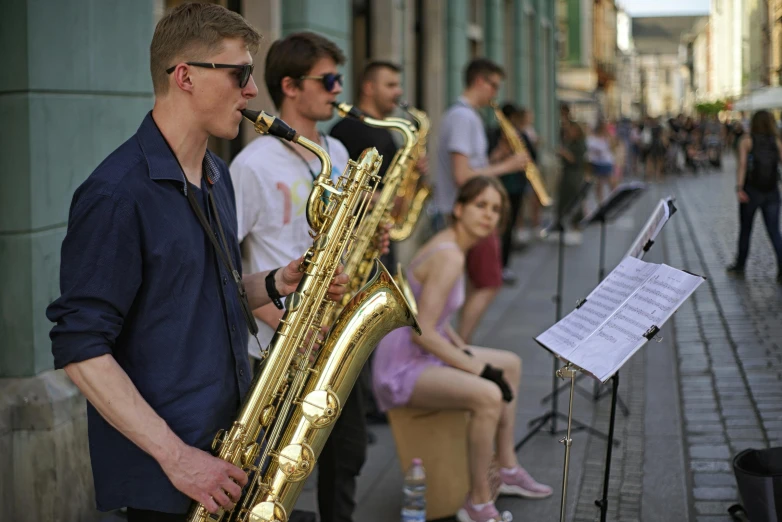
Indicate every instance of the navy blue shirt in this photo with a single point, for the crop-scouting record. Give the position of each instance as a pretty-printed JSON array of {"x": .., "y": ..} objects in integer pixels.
[{"x": 140, "y": 280}]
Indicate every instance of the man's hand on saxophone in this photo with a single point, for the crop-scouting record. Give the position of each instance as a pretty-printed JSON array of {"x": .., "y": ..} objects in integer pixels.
[{"x": 207, "y": 479}]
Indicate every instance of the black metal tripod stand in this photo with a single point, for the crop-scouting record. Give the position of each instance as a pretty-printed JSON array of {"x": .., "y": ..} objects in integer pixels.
[
  {"x": 597, "y": 393},
  {"x": 550, "y": 417}
]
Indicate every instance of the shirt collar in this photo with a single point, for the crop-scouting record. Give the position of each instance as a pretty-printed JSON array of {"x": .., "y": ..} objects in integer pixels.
[{"x": 163, "y": 164}]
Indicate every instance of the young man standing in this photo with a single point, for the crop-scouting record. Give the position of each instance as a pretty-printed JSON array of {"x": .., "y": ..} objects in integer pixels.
[
  {"x": 151, "y": 324},
  {"x": 272, "y": 180},
  {"x": 462, "y": 153}
]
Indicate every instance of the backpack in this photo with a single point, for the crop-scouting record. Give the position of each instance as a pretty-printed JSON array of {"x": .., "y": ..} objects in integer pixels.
[{"x": 763, "y": 164}]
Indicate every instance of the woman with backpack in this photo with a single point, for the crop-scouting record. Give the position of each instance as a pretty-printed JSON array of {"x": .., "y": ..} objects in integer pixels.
[{"x": 757, "y": 186}]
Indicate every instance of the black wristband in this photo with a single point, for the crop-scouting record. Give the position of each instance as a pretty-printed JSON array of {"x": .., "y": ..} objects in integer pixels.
[{"x": 271, "y": 289}]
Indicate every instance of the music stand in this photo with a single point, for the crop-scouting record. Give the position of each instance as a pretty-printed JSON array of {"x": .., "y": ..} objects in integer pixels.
[
  {"x": 617, "y": 202},
  {"x": 537, "y": 424},
  {"x": 651, "y": 294}
]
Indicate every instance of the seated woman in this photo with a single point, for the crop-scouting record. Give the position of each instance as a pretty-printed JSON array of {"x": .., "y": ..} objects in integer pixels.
[{"x": 437, "y": 370}]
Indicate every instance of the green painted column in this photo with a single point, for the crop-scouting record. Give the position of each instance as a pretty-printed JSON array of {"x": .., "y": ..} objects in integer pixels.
[
  {"x": 458, "y": 48},
  {"x": 574, "y": 32},
  {"x": 332, "y": 19},
  {"x": 521, "y": 65},
  {"x": 76, "y": 85},
  {"x": 494, "y": 37},
  {"x": 540, "y": 67},
  {"x": 553, "y": 139}
]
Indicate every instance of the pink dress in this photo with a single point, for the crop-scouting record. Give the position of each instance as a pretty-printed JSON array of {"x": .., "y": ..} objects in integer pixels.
[{"x": 398, "y": 361}]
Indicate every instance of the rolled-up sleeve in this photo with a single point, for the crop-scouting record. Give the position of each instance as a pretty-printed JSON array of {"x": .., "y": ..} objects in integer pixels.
[{"x": 100, "y": 273}]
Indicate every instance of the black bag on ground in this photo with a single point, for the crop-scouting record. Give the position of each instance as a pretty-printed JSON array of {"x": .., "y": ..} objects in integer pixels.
[
  {"x": 759, "y": 477},
  {"x": 763, "y": 163}
]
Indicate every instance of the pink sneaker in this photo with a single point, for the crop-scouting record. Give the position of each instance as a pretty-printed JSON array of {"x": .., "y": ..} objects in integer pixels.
[
  {"x": 519, "y": 483},
  {"x": 488, "y": 513}
]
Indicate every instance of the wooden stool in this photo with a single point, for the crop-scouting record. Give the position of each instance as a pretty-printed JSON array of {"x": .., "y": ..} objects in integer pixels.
[{"x": 439, "y": 438}]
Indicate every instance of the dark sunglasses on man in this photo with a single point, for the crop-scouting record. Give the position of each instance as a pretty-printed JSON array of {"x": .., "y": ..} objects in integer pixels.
[
  {"x": 245, "y": 70},
  {"x": 329, "y": 80}
]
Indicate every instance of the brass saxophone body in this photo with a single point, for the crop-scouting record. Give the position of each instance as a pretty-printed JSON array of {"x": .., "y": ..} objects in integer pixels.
[
  {"x": 292, "y": 403},
  {"x": 359, "y": 264},
  {"x": 413, "y": 192},
  {"x": 517, "y": 146}
]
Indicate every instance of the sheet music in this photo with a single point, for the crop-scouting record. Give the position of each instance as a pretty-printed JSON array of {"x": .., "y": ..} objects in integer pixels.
[
  {"x": 606, "y": 350},
  {"x": 652, "y": 228},
  {"x": 604, "y": 300}
]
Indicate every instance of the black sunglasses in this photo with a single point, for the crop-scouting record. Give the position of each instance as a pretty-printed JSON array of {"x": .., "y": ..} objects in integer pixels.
[
  {"x": 245, "y": 71},
  {"x": 329, "y": 80}
]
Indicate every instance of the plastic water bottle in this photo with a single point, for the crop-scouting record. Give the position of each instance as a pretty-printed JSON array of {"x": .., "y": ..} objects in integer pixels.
[{"x": 414, "y": 489}]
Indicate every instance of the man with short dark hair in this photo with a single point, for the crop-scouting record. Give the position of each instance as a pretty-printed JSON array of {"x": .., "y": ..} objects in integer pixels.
[
  {"x": 272, "y": 180},
  {"x": 379, "y": 92},
  {"x": 151, "y": 321},
  {"x": 462, "y": 154}
]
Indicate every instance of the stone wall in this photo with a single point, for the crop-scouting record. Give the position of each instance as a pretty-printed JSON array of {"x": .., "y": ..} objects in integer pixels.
[{"x": 45, "y": 470}]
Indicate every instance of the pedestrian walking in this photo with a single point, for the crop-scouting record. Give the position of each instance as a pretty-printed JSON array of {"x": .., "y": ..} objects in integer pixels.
[{"x": 757, "y": 187}]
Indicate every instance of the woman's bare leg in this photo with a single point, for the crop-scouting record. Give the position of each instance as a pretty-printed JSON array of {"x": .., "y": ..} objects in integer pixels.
[
  {"x": 510, "y": 364},
  {"x": 445, "y": 388}
]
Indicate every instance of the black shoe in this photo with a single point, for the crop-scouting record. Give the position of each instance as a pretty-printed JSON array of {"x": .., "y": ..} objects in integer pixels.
[{"x": 736, "y": 270}]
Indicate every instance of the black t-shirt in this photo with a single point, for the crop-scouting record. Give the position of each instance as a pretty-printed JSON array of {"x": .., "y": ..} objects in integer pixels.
[{"x": 357, "y": 136}]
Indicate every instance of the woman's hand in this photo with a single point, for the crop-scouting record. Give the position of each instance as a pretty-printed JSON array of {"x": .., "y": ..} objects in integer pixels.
[
  {"x": 742, "y": 196},
  {"x": 495, "y": 375}
]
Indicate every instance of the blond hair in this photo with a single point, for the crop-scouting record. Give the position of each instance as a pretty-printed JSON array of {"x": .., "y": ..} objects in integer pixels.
[{"x": 191, "y": 32}]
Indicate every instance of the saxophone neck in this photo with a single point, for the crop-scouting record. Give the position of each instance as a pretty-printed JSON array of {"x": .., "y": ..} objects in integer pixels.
[
  {"x": 264, "y": 123},
  {"x": 401, "y": 125}
]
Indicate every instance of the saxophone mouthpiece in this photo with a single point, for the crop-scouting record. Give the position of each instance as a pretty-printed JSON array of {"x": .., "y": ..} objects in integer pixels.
[
  {"x": 267, "y": 124},
  {"x": 345, "y": 110}
]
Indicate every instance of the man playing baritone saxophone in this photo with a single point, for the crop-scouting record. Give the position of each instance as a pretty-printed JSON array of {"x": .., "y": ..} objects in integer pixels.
[
  {"x": 462, "y": 154},
  {"x": 272, "y": 180},
  {"x": 379, "y": 92},
  {"x": 151, "y": 324}
]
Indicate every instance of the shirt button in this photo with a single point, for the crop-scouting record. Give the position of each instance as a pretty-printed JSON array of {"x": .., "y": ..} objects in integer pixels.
[
  {"x": 225, "y": 280},
  {"x": 233, "y": 327},
  {"x": 241, "y": 373}
]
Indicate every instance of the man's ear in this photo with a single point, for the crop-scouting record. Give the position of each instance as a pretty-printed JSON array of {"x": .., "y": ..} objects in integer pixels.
[
  {"x": 290, "y": 87},
  {"x": 182, "y": 77}
]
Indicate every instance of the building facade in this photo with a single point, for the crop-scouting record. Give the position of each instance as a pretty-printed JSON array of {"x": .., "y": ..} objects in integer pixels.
[
  {"x": 775, "y": 45},
  {"x": 662, "y": 73},
  {"x": 77, "y": 85}
]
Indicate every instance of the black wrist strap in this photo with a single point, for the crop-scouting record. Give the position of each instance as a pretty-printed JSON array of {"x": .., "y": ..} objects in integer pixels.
[
  {"x": 224, "y": 255},
  {"x": 271, "y": 289}
]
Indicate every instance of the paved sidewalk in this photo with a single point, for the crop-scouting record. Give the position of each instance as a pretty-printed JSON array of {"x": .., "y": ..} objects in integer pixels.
[{"x": 727, "y": 339}]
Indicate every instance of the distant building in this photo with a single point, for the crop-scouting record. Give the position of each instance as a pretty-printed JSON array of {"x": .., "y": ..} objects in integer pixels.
[{"x": 662, "y": 75}]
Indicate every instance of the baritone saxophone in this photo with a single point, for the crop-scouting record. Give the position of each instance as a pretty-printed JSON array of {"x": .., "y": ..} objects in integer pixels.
[
  {"x": 359, "y": 264},
  {"x": 413, "y": 190},
  {"x": 292, "y": 405},
  {"x": 517, "y": 146}
]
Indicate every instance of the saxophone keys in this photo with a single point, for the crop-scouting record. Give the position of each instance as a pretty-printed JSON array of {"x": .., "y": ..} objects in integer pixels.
[
  {"x": 218, "y": 440},
  {"x": 321, "y": 408},
  {"x": 250, "y": 454},
  {"x": 268, "y": 512},
  {"x": 296, "y": 461}
]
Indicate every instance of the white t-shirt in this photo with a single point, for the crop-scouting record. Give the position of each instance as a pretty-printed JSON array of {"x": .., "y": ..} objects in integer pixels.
[
  {"x": 599, "y": 151},
  {"x": 461, "y": 131},
  {"x": 272, "y": 185}
]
